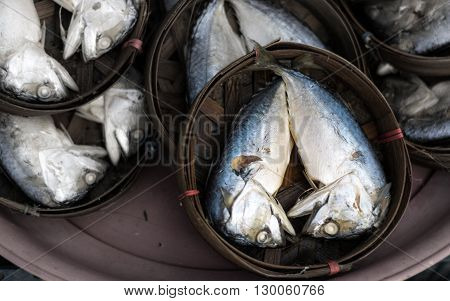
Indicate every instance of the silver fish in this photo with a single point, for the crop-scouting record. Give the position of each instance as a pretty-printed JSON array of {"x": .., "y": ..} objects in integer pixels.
[
  {"x": 45, "y": 163},
  {"x": 214, "y": 45},
  {"x": 416, "y": 26},
  {"x": 26, "y": 70},
  {"x": 424, "y": 112},
  {"x": 98, "y": 25},
  {"x": 353, "y": 193},
  {"x": 263, "y": 23},
  {"x": 240, "y": 201},
  {"x": 121, "y": 110}
]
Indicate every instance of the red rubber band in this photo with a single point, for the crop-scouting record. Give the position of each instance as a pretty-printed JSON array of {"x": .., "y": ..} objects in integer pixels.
[
  {"x": 391, "y": 136},
  {"x": 334, "y": 267},
  {"x": 135, "y": 43},
  {"x": 188, "y": 193}
]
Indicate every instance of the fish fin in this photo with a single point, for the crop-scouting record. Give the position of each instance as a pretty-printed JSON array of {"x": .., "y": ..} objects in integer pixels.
[
  {"x": 95, "y": 152},
  {"x": 382, "y": 202},
  {"x": 62, "y": 30},
  {"x": 279, "y": 212},
  {"x": 228, "y": 198},
  {"x": 89, "y": 47},
  {"x": 66, "y": 132},
  {"x": 66, "y": 4},
  {"x": 266, "y": 60},
  {"x": 310, "y": 180},
  {"x": 113, "y": 146},
  {"x": 124, "y": 141},
  {"x": 74, "y": 36},
  {"x": 64, "y": 75},
  {"x": 306, "y": 206},
  {"x": 44, "y": 34}
]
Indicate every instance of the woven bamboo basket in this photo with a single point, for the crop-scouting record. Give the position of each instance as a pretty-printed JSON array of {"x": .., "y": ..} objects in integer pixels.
[
  {"x": 166, "y": 73},
  {"x": 437, "y": 64},
  {"x": 115, "y": 182},
  {"x": 213, "y": 113},
  {"x": 93, "y": 78}
]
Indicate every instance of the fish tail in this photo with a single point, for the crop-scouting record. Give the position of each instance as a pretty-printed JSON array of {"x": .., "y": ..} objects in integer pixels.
[{"x": 266, "y": 60}]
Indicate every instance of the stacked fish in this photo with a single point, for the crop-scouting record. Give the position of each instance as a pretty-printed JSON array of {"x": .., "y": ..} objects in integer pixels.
[
  {"x": 40, "y": 157},
  {"x": 418, "y": 27}
]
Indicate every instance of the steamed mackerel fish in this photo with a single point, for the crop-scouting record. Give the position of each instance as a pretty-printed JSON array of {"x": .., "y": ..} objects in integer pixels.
[
  {"x": 417, "y": 26},
  {"x": 121, "y": 111},
  {"x": 424, "y": 112},
  {"x": 215, "y": 44},
  {"x": 45, "y": 163},
  {"x": 353, "y": 194},
  {"x": 26, "y": 70},
  {"x": 98, "y": 25},
  {"x": 240, "y": 200}
]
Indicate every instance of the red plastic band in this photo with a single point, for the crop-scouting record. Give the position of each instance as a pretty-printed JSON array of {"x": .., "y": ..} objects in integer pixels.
[
  {"x": 334, "y": 267},
  {"x": 391, "y": 136},
  {"x": 188, "y": 193},
  {"x": 135, "y": 43}
]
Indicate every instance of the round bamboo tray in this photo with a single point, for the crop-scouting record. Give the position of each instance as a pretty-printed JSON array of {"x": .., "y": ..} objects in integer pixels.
[{"x": 308, "y": 258}]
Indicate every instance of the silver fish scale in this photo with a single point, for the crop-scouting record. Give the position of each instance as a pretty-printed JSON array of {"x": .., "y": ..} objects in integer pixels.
[
  {"x": 260, "y": 129},
  {"x": 342, "y": 148}
]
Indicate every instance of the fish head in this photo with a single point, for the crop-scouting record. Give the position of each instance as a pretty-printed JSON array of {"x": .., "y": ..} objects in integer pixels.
[
  {"x": 125, "y": 122},
  {"x": 347, "y": 212},
  {"x": 256, "y": 218},
  {"x": 30, "y": 73},
  {"x": 98, "y": 26},
  {"x": 70, "y": 172}
]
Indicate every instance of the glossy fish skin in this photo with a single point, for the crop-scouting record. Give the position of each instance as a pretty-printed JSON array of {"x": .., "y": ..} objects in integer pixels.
[
  {"x": 121, "y": 110},
  {"x": 416, "y": 26},
  {"x": 262, "y": 22},
  {"x": 240, "y": 200},
  {"x": 213, "y": 46},
  {"x": 98, "y": 26},
  {"x": 45, "y": 163},
  {"x": 353, "y": 190},
  {"x": 424, "y": 112},
  {"x": 26, "y": 70}
]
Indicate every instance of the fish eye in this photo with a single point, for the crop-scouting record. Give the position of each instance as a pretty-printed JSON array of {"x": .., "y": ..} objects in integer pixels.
[
  {"x": 90, "y": 178},
  {"x": 331, "y": 228},
  {"x": 263, "y": 237},
  {"x": 44, "y": 91},
  {"x": 137, "y": 135},
  {"x": 104, "y": 42}
]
